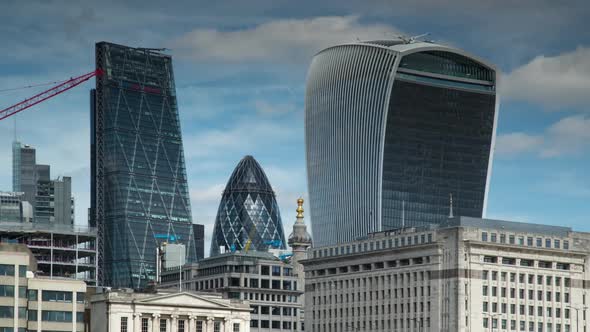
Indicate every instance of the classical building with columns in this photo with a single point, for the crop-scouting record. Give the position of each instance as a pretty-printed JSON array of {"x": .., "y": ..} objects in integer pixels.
[
  {"x": 127, "y": 311},
  {"x": 467, "y": 274}
]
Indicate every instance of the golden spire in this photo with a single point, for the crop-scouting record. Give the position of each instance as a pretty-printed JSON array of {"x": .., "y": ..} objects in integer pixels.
[{"x": 299, "y": 208}]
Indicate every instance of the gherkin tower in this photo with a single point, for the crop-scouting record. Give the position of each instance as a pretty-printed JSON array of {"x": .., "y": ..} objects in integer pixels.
[{"x": 248, "y": 216}]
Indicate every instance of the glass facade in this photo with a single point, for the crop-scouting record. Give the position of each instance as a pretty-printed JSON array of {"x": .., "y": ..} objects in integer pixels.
[
  {"x": 248, "y": 212},
  {"x": 392, "y": 131},
  {"x": 140, "y": 195}
]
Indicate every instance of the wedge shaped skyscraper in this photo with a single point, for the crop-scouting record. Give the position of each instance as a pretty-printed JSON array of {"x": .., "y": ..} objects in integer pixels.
[
  {"x": 248, "y": 217},
  {"x": 139, "y": 186},
  {"x": 393, "y": 129}
]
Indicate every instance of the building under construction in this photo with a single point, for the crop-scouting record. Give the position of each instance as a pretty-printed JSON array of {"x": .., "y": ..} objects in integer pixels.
[{"x": 60, "y": 250}]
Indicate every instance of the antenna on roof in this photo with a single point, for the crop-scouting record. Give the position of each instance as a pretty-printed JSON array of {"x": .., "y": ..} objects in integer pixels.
[{"x": 412, "y": 39}]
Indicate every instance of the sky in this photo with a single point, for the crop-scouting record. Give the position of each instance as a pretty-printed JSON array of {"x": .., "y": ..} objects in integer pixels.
[{"x": 240, "y": 69}]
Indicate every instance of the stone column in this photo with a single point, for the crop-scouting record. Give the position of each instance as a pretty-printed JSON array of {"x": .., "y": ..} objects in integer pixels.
[
  {"x": 226, "y": 325},
  {"x": 210, "y": 321},
  {"x": 191, "y": 324},
  {"x": 137, "y": 322},
  {"x": 174, "y": 323},
  {"x": 155, "y": 323}
]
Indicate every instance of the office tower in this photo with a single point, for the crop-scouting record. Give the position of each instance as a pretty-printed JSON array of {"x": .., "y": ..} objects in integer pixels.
[
  {"x": 139, "y": 184},
  {"x": 248, "y": 217},
  {"x": 51, "y": 200},
  {"x": 24, "y": 175},
  {"x": 394, "y": 129},
  {"x": 13, "y": 208},
  {"x": 466, "y": 274},
  {"x": 199, "y": 235}
]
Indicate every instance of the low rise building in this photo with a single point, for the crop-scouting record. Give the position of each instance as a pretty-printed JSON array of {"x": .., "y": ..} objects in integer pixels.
[
  {"x": 127, "y": 311},
  {"x": 467, "y": 274},
  {"x": 31, "y": 303},
  {"x": 261, "y": 278}
]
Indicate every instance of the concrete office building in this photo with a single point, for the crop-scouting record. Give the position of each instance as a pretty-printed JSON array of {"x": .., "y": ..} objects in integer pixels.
[
  {"x": 31, "y": 303},
  {"x": 13, "y": 209},
  {"x": 199, "y": 235},
  {"x": 259, "y": 277},
  {"x": 467, "y": 274},
  {"x": 139, "y": 186},
  {"x": 392, "y": 129},
  {"x": 51, "y": 200},
  {"x": 123, "y": 311},
  {"x": 24, "y": 174},
  {"x": 61, "y": 251}
]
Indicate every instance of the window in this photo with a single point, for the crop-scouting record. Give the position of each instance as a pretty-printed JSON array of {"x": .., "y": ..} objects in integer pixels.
[
  {"x": 566, "y": 245},
  {"x": 6, "y": 312},
  {"x": 32, "y": 295},
  {"x": 547, "y": 243},
  {"x": 216, "y": 326},
  {"x": 22, "y": 312},
  {"x": 57, "y": 316},
  {"x": 80, "y": 297},
  {"x": 264, "y": 283},
  {"x": 276, "y": 324},
  {"x": 236, "y": 327},
  {"x": 276, "y": 271},
  {"x": 254, "y": 322},
  {"x": 180, "y": 325},
  {"x": 265, "y": 270},
  {"x": 55, "y": 296},
  {"x": 144, "y": 324},
  {"x": 529, "y": 241},
  {"x": 6, "y": 270},
  {"x": 123, "y": 324},
  {"x": 163, "y": 323},
  {"x": 6, "y": 291},
  {"x": 511, "y": 239},
  {"x": 22, "y": 271},
  {"x": 493, "y": 237},
  {"x": 502, "y": 238},
  {"x": 32, "y": 315},
  {"x": 539, "y": 242},
  {"x": 484, "y": 236},
  {"x": 556, "y": 244}
]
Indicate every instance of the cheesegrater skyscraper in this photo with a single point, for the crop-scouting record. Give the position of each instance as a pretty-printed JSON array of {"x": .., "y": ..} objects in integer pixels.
[{"x": 139, "y": 186}]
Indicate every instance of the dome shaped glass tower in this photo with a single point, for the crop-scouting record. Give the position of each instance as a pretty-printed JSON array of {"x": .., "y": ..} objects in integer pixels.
[{"x": 248, "y": 216}]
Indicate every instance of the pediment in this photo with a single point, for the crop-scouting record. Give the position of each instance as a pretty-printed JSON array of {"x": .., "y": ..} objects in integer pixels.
[{"x": 184, "y": 300}]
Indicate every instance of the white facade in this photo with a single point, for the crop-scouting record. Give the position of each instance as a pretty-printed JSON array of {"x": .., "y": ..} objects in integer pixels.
[
  {"x": 167, "y": 312},
  {"x": 469, "y": 275}
]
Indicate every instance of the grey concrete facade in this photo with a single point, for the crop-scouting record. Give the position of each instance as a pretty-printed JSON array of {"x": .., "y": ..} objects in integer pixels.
[
  {"x": 467, "y": 275},
  {"x": 262, "y": 279}
]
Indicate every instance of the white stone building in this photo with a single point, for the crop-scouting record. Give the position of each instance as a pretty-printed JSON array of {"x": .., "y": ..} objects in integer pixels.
[
  {"x": 126, "y": 311},
  {"x": 469, "y": 274},
  {"x": 31, "y": 303}
]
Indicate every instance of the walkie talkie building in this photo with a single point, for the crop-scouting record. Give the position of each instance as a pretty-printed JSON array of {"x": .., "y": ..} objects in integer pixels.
[
  {"x": 139, "y": 185},
  {"x": 393, "y": 129}
]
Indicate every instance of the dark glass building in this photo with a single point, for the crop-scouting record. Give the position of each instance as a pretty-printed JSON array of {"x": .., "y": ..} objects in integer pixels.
[
  {"x": 248, "y": 217},
  {"x": 393, "y": 129},
  {"x": 199, "y": 235},
  {"x": 139, "y": 186}
]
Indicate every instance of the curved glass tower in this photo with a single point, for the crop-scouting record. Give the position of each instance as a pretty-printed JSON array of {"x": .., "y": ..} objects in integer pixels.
[
  {"x": 248, "y": 216},
  {"x": 392, "y": 130}
]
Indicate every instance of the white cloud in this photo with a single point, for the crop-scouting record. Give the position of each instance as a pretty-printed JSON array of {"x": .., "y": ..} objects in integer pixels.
[
  {"x": 285, "y": 40},
  {"x": 266, "y": 108},
  {"x": 554, "y": 81},
  {"x": 570, "y": 135},
  {"x": 517, "y": 143}
]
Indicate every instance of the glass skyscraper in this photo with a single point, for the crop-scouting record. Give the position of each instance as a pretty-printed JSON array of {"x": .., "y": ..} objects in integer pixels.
[
  {"x": 393, "y": 129},
  {"x": 139, "y": 186},
  {"x": 248, "y": 217}
]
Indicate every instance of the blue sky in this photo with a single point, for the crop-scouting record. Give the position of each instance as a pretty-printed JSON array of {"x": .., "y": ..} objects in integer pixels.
[{"x": 240, "y": 70}]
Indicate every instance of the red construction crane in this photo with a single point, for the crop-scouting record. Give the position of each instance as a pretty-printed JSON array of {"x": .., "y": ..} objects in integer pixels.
[{"x": 36, "y": 99}]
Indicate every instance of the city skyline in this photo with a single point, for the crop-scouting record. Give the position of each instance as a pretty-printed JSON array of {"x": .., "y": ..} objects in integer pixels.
[{"x": 236, "y": 85}]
